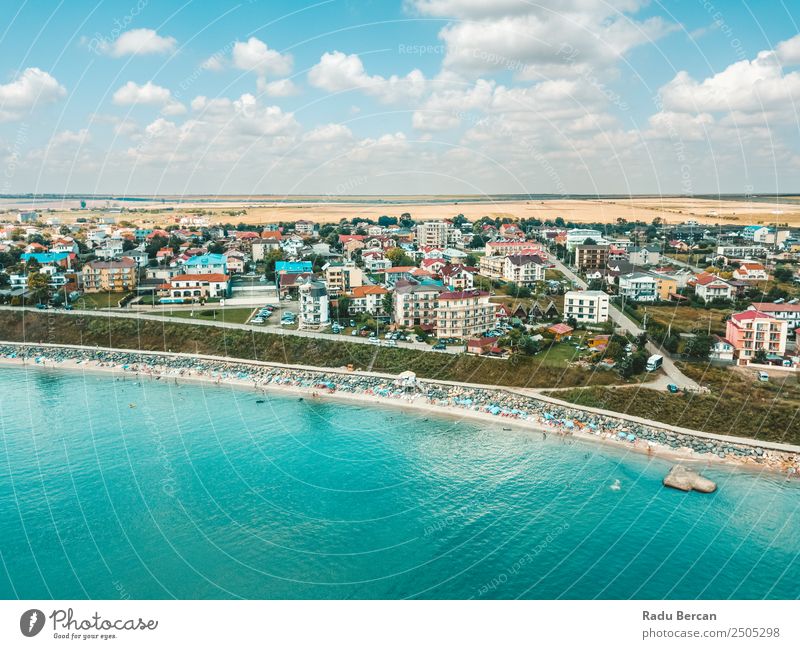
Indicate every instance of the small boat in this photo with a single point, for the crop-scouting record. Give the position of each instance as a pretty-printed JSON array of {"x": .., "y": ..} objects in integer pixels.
[{"x": 259, "y": 400}]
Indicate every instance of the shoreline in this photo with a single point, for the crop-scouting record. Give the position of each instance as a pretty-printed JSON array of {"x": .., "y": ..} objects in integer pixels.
[{"x": 422, "y": 397}]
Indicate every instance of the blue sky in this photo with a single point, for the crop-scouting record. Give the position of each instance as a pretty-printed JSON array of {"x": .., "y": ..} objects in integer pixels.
[{"x": 405, "y": 96}]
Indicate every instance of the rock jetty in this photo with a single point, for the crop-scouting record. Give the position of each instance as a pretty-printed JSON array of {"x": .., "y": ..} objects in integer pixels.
[{"x": 685, "y": 479}]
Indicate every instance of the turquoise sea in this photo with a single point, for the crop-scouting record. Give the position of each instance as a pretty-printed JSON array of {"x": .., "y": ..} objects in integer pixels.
[{"x": 118, "y": 489}]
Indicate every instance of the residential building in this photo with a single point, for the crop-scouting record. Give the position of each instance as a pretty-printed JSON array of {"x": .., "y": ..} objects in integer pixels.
[
  {"x": 456, "y": 277},
  {"x": 504, "y": 248},
  {"x": 492, "y": 266},
  {"x": 433, "y": 233},
  {"x": 260, "y": 248},
  {"x": 586, "y": 306},
  {"x": 210, "y": 263},
  {"x": 741, "y": 252},
  {"x": 721, "y": 349},
  {"x": 649, "y": 255},
  {"x": 117, "y": 275},
  {"x": 341, "y": 277},
  {"x": 235, "y": 262},
  {"x": 591, "y": 257},
  {"x": 788, "y": 313},
  {"x": 752, "y": 331},
  {"x": 709, "y": 288},
  {"x": 415, "y": 304},
  {"x": 367, "y": 299},
  {"x": 750, "y": 271},
  {"x": 578, "y": 237},
  {"x": 524, "y": 270},
  {"x": 196, "y": 286},
  {"x": 109, "y": 249},
  {"x": 314, "y": 305},
  {"x": 638, "y": 286},
  {"x": 464, "y": 314},
  {"x": 139, "y": 256},
  {"x": 304, "y": 227},
  {"x": 375, "y": 261}
]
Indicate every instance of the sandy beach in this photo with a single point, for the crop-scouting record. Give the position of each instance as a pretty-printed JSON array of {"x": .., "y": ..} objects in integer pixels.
[{"x": 441, "y": 400}]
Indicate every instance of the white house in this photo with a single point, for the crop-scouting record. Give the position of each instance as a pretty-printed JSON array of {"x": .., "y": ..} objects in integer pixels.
[
  {"x": 709, "y": 287},
  {"x": 639, "y": 287},
  {"x": 586, "y": 306},
  {"x": 524, "y": 270},
  {"x": 751, "y": 271}
]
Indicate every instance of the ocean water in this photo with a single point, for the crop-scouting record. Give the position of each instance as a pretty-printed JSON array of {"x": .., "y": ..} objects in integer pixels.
[{"x": 125, "y": 489}]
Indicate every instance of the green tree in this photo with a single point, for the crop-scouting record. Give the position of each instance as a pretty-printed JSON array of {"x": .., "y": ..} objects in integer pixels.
[
  {"x": 760, "y": 356},
  {"x": 37, "y": 285},
  {"x": 699, "y": 347},
  {"x": 398, "y": 257}
]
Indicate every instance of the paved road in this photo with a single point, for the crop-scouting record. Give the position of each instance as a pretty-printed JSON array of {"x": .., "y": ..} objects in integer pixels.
[
  {"x": 623, "y": 321},
  {"x": 273, "y": 329}
]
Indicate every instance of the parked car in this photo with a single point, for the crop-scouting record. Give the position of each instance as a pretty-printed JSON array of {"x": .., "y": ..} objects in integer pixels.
[
  {"x": 354, "y": 332},
  {"x": 672, "y": 388},
  {"x": 440, "y": 347}
]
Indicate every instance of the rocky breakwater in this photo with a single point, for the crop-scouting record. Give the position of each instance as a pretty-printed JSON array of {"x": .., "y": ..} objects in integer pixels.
[{"x": 685, "y": 479}]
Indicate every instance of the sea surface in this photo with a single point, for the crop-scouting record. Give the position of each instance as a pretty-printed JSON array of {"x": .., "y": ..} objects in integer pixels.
[{"x": 124, "y": 489}]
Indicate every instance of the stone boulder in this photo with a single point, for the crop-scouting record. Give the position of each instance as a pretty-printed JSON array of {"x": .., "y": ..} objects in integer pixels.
[{"x": 685, "y": 479}]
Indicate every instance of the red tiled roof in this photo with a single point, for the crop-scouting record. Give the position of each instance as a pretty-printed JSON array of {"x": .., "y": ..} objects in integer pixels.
[
  {"x": 560, "y": 328},
  {"x": 768, "y": 307},
  {"x": 750, "y": 314}
]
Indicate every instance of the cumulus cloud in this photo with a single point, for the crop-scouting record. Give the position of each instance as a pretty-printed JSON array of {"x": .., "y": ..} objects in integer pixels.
[
  {"x": 279, "y": 88},
  {"x": 26, "y": 91},
  {"x": 755, "y": 86},
  {"x": 148, "y": 94},
  {"x": 337, "y": 72},
  {"x": 136, "y": 42},
  {"x": 540, "y": 39},
  {"x": 254, "y": 55}
]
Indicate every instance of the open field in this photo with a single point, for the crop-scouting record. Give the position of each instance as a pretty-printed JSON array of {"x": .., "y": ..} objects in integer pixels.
[
  {"x": 325, "y": 210},
  {"x": 98, "y": 300},
  {"x": 688, "y": 319}
]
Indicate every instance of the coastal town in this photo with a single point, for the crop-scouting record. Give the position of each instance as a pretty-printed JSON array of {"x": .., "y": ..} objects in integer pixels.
[{"x": 619, "y": 295}]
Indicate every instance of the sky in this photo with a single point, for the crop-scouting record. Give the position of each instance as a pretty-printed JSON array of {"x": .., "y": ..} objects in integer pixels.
[{"x": 346, "y": 97}]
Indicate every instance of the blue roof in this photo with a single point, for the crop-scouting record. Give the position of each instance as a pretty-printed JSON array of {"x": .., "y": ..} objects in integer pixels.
[
  {"x": 210, "y": 259},
  {"x": 293, "y": 267},
  {"x": 45, "y": 257}
]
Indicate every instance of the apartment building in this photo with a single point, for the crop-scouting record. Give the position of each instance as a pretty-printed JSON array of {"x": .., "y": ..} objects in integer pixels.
[
  {"x": 314, "y": 304},
  {"x": 415, "y": 303},
  {"x": 492, "y": 266},
  {"x": 639, "y": 287},
  {"x": 505, "y": 248},
  {"x": 464, "y": 314},
  {"x": 433, "y": 233},
  {"x": 586, "y": 306},
  {"x": 367, "y": 299},
  {"x": 117, "y": 275},
  {"x": 342, "y": 277},
  {"x": 649, "y": 255},
  {"x": 591, "y": 257},
  {"x": 788, "y": 313},
  {"x": 524, "y": 270},
  {"x": 752, "y": 330}
]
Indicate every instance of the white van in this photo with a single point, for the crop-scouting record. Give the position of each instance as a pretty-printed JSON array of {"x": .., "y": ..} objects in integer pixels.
[{"x": 763, "y": 376}]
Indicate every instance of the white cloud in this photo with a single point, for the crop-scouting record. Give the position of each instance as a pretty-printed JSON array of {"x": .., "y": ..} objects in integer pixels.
[
  {"x": 32, "y": 87},
  {"x": 70, "y": 138},
  {"x": 256, "y": 56},
  {"x": 279, "y": 88},
  {"x": 329, "y": 133},
  {"x": 789, "y": 51},
  {"x": 755, "y": 86},
  {"x": 138, "y": 41},
  {"x": 337, "y": 72},
  {"x": 149, "y": 93},
  {"x": 540, "y": 39},
  {"x": 214, "y": 63}
]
